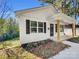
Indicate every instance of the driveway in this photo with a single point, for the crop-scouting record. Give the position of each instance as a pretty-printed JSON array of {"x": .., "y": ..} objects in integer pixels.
[{"x": 69, "y": 53}]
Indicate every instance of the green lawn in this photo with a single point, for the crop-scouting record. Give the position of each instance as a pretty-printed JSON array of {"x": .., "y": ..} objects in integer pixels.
[
  {"x": 11, "y": 49},
  {"x": 10, "y": 43},
  {"x": 17, "y": 53},
  {"x": 75, "y": 39}
]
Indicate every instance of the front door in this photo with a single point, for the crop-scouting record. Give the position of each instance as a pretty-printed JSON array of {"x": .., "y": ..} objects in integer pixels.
[{"x": 51, "y": 29}]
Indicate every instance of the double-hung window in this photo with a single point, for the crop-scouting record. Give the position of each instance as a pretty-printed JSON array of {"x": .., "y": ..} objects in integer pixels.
[
  {"x": 40, "y": 27},
  {"x": 33, "y": 26}
]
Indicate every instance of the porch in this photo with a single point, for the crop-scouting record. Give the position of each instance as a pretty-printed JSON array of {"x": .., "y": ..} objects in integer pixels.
[{"x": 62, "y": 19}]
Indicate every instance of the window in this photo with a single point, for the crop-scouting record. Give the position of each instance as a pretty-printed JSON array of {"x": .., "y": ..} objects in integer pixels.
[
  {"x": 40, "y": 27},
  {"x": 55, "y": 27},
  {"x": 33, "y": 30},
  {"x": 61, "y": 28},
  {"x": 40, "y": 24},
  {"x": 33, "y": 26}
]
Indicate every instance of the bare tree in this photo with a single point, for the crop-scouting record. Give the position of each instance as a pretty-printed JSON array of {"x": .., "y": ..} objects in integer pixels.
[{"x": 5, "y": 9}]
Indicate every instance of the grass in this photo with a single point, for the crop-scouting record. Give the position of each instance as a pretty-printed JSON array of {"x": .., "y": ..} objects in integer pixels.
[
  {"x": 10, "y": 43},
  {"x": 12, "y": 49},
  {"x": 75, "y": 39},
  {"x": 17, "y": 53}
]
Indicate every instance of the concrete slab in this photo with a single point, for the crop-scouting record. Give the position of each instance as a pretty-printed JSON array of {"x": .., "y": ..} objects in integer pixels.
[{"x": 69, "y": 53}]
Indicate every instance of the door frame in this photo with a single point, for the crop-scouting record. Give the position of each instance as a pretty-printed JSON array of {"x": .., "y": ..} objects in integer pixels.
[{"x": 51, "y": 30}]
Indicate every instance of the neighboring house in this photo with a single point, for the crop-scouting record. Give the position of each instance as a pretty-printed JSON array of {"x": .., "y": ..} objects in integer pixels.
[
  {"x": 68, "y": 29},
  {"x": 42, "y": 23}
]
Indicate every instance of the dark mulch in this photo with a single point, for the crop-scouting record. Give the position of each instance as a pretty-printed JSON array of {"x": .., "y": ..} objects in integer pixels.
[
  {"x": 75, "y": 39},
  {"x": 45, "y": 48}
]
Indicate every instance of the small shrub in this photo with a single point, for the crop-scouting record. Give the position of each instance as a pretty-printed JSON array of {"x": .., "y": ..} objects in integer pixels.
[
  {"x": 75, "y": 39},
  {"x": 10, "y": 36}
]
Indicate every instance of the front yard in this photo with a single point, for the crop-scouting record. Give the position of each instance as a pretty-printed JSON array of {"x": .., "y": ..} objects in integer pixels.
[
  {"x": 45, "y": 48},
  {"x": 35, "y": 50},
  {"x": 10, "y": 43},
  {"x": 11, "y": 49},
  {"x": 75, "y": 39}
]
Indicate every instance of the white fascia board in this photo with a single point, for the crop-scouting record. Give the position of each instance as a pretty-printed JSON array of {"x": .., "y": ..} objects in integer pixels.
[{"x": 63, "y": 17}]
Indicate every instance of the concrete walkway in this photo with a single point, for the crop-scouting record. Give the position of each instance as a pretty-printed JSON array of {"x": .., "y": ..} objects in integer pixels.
[{"x": 69, "y": 53}]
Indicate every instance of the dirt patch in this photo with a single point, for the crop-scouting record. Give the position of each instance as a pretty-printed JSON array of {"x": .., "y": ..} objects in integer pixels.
[{"x": 45, "y": 48}]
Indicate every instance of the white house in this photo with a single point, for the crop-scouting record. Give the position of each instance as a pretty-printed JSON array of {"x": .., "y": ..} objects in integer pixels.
[{"x": 42, "y": 23}]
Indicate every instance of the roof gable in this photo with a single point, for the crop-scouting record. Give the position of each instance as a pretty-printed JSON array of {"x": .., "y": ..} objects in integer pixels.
[{"x": 42, "y": 8}]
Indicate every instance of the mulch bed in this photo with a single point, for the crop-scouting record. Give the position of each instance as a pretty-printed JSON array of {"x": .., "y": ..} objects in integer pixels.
[
  {"x": 75, "y": 40},
  {"x": 45, "y": 48}
]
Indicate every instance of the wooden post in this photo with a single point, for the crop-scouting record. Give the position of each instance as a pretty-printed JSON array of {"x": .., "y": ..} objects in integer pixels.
[
  {"x": 73, "y": 30},
  {"x": 58, "y": 30}
]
